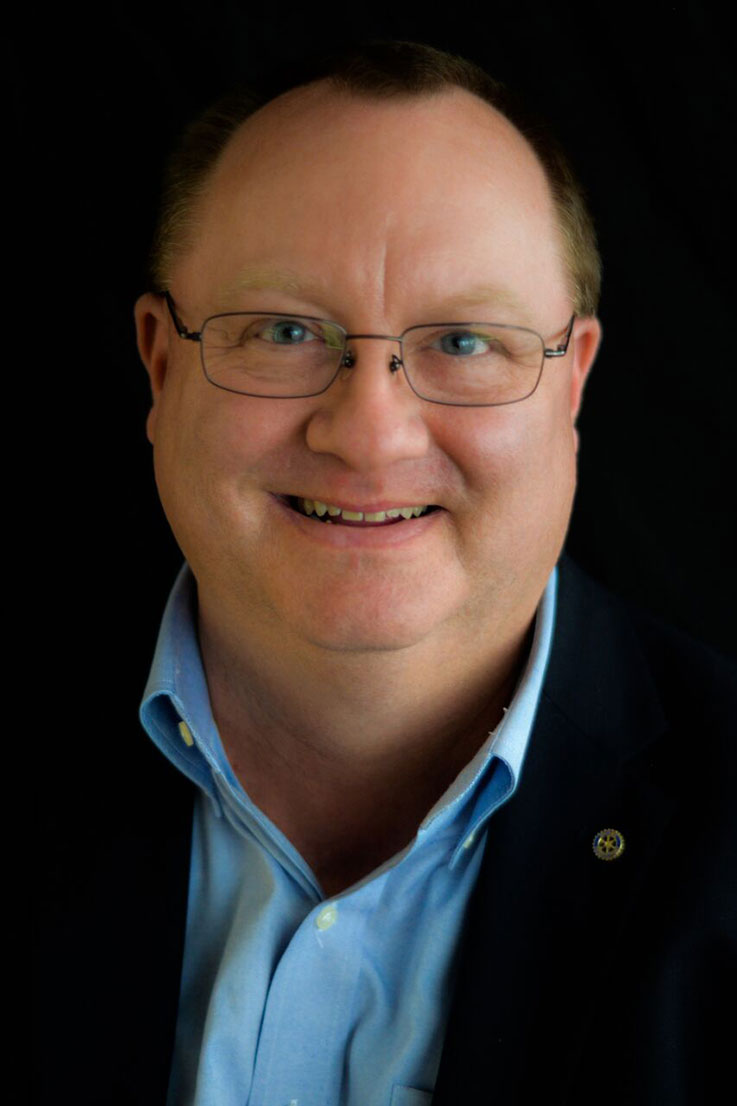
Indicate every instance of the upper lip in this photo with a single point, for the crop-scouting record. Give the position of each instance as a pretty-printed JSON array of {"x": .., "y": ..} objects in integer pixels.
[{"x": 366, "y": 508}]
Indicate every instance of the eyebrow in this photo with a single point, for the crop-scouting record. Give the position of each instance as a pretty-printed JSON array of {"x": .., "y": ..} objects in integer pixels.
[
  {"x": 273, "y": 280},
  {"x": 267, "y": 279},
  {"x": 492, "y": 295}
]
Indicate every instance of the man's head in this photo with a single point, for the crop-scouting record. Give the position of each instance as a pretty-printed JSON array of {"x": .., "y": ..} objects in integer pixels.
[{"x": 379, "y": 213}]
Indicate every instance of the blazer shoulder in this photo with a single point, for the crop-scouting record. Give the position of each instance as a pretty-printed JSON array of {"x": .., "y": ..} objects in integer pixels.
[
  {"x": 626, "y": 652},
  {"x": 667, "y": 646}
]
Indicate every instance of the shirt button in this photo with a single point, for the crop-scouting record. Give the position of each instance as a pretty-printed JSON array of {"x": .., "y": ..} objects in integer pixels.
[
  {"x": 185, "y": 734},
  {"x": 327, "y": 917},
  {"x": 469, "y": 841}
]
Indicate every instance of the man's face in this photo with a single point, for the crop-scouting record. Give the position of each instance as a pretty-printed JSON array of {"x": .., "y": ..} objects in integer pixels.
[{"x": 377, "y": 215}]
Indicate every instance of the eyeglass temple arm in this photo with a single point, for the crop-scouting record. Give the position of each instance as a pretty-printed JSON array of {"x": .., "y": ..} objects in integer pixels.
[
  {"x": 190, "y": 335},
  {"x": 562, "y": 348}
]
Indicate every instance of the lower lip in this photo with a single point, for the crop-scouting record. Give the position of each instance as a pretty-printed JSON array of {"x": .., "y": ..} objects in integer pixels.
[{"x": 337, "y": 535}]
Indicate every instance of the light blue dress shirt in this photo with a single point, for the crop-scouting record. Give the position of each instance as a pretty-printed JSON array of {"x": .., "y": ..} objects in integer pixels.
[{"x": 291, "y": 999}]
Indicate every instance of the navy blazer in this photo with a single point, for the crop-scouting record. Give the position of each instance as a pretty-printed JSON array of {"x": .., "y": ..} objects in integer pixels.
[{"x": 582, "y": 981}]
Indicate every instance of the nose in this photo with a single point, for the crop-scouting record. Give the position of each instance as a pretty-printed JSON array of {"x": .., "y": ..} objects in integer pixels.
[{"x": 369, "y": 417}]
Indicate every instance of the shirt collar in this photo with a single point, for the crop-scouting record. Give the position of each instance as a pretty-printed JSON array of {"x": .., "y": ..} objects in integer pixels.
[
  {"x": 176, "y": 713},
  {"x": 484, "y": 791},
  {"x": 175, "y": 710}
]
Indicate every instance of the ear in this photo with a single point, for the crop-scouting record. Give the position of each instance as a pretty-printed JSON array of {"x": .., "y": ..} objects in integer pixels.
[
  {"x": 152, "y": 336},
  {"x": 585, "y": 342}
]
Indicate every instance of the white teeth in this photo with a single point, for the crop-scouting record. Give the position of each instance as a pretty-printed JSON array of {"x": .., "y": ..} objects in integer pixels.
[{"x": 316, "y": 506}]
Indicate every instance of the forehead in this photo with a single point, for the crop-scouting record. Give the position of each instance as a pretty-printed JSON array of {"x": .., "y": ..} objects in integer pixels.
[{"x": 355, "y": 188}]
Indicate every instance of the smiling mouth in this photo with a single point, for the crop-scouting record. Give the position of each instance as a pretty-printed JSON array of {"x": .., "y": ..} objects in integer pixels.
[{"x": 329, "y": 514}]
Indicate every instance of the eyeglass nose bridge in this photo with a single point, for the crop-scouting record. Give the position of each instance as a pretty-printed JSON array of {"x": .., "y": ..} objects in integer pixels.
[{"x": 349, "y": 357}]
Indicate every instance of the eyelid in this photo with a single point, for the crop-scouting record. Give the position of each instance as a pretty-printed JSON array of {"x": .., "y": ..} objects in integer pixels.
[
  {"x": 274, "y": 321},
  {"x": 475, "y": 330},
  {"x": 267, "y": 322}
]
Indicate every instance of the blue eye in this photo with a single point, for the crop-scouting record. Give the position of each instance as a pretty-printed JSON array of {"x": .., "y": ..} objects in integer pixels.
[
  {"x": 287, "y": 332},
  {"x": 461, "y": 342}
]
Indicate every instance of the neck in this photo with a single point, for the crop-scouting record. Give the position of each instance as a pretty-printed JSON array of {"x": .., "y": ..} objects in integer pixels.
[{"x": 347, "y": 752}]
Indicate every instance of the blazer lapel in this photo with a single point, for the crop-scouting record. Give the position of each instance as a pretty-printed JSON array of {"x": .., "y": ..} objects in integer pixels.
[{"x": 543, "y": 926}]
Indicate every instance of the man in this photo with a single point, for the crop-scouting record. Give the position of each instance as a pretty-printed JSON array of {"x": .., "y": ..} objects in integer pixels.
[{"x": 431, "y": 821}]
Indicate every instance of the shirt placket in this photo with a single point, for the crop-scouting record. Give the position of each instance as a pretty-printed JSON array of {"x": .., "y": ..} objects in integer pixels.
[{"x": 300, "y": 1056}]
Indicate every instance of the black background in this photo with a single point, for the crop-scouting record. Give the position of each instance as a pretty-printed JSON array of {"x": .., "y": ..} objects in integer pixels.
[{"x": 643, "y": 99}]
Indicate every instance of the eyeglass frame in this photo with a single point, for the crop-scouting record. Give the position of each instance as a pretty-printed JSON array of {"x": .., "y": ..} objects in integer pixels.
[{"x": 348, "y": 358}]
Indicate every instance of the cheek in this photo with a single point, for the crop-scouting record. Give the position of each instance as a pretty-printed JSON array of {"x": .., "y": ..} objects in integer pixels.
[
  {"x": 496, "y": 448},
  {"x": 518, "y": 467},
  {"x": 209, "y": 449},
  {"x": 219, "y": 437}
]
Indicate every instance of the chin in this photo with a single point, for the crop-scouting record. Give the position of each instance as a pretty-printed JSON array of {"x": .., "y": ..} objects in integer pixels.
[
  {"x": 357, "y": 625},
  {"x": 369, "y": 641}
]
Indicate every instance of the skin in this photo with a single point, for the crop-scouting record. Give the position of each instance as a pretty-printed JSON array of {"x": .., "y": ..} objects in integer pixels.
[{"x": 352, "y": 675}]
